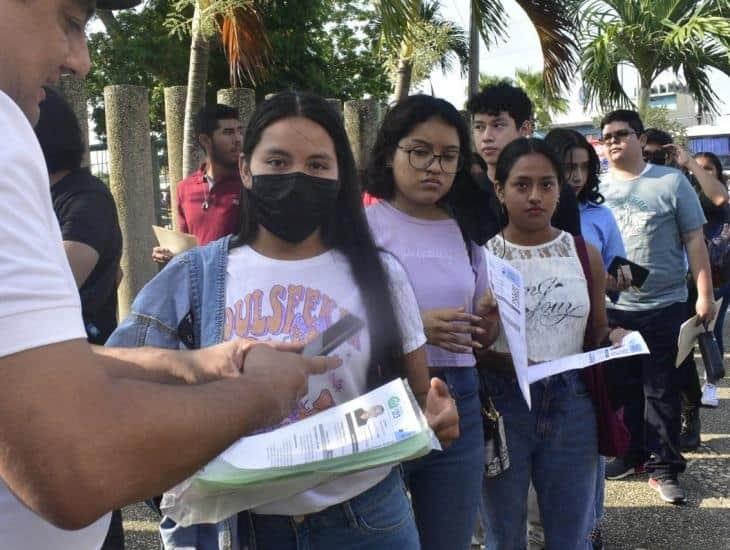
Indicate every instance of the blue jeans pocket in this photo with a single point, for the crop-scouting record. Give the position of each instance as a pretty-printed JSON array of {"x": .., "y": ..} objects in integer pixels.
[{"x": 383, "y": 508}]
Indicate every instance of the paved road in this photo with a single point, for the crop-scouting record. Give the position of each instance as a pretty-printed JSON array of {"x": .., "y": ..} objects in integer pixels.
[{"x": 635, "y": 516}]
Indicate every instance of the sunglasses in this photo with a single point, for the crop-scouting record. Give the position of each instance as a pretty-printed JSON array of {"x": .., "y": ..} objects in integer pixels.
[{"x": 618, "y": 135}]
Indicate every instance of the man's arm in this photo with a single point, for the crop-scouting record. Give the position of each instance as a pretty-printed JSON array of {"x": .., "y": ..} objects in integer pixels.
[
  {"x": 82, "y": 258},
  {"x": 77, "y": 442},
  {"x": 699, "y": 263}
]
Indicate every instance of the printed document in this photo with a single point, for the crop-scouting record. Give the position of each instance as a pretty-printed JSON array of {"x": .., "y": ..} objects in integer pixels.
[
  {"x": 383, "y": 427},
  {"x": 507, "y": 284},
  {"x": 509, "y": 291}
]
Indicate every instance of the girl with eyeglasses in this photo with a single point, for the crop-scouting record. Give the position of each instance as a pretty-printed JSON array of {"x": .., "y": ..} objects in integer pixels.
[{"x": 432, "y": 216}]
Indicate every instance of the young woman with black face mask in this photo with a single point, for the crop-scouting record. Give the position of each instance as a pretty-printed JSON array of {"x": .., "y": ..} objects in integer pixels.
[{"x": 302, "y": 259}]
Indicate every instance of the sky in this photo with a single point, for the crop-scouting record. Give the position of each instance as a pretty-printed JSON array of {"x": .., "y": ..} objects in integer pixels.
[{"x": 522, "y": 50}]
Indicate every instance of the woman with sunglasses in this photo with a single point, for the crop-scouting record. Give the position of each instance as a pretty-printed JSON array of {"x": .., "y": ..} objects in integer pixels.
[{"x": 431, "y": 216}]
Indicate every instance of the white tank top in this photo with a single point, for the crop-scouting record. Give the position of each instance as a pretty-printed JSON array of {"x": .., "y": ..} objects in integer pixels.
[{"x": 556, "y": 296}]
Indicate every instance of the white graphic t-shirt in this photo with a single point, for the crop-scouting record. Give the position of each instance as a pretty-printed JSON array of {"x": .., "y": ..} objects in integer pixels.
[
  {"x": 556, "y": 296},
  {"x": 291, "y": 301},
  {"x": 39, "y": 303}
]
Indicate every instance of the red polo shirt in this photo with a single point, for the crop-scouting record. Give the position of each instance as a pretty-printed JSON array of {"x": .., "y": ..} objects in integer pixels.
[{"x": 223, "y": 202}]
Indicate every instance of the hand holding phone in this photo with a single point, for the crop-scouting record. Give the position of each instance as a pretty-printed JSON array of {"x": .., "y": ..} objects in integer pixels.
[{"x": 638, "y": 273}]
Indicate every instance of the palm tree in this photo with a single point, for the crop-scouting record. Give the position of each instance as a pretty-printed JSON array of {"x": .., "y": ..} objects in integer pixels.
[
  {"x": 429, "y": 41},
  {"x": 545, "y": 102},
  {"x": 554, "y": 21},
  {"x": 653, "y": 36},
  {"x": 556, "y": 24},
  {"x": 242, "y": 34}
]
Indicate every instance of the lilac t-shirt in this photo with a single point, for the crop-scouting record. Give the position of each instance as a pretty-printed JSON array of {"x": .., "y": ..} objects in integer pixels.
[{"x": 434, "y": 256}]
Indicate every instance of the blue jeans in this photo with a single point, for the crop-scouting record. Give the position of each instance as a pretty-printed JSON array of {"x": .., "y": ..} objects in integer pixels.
[
  {"x": 556, "y": 446},
  {"x": 378, "y": 519},
  {"x": 445, "y": 485},
  {"x": 600, "y": 492}
]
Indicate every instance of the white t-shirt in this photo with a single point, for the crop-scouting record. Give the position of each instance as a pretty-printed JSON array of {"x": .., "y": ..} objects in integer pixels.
[
  {"x": 39, "y": 302},
  {"x": 290, "y": 301}
]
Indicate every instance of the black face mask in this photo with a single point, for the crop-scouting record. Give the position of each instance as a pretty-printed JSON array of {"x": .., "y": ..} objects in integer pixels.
[{"x": 292, "y": 206}]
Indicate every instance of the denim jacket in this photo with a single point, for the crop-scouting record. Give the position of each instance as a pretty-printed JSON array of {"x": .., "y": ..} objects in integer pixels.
[{"x": 168, "y": 313}]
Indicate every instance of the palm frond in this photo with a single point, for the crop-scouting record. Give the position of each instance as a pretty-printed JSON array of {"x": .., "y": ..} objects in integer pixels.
[
  {"x": 395, "y": 17},
  {"x": 245, "y": 43},
  {"x": 556, "y": 22}
]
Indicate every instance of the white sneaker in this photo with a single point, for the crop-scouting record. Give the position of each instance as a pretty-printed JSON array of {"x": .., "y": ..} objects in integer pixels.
[{"x": 709, "y": 395}]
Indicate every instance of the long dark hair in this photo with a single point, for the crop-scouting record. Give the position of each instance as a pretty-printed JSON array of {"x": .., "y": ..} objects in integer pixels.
[
  {"x": 517, "y": 149},
  {"x": 465, "y": 201},
  {"x": 715, "y": 160},
  {"x": 563, "y": 141},
  {"x": 347, "y": 230}
]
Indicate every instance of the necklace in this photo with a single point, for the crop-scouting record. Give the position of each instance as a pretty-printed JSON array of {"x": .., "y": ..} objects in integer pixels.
[{"x": 206, "y": 191}]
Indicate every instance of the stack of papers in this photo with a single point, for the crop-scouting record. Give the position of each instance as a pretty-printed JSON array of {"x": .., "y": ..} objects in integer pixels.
[{"x": 385, "y": 426}]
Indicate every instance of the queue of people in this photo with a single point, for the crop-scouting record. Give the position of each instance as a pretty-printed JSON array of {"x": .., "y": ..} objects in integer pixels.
[{"x": 287, "y": 249}]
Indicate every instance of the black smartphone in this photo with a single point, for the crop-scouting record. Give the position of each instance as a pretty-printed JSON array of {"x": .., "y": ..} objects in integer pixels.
[
  {"x": 335, "y": 335},
  {"x": 638, "y": 273}
]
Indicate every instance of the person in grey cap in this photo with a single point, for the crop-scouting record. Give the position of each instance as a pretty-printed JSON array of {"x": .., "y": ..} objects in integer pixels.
[{"x": 84, "y": 430}]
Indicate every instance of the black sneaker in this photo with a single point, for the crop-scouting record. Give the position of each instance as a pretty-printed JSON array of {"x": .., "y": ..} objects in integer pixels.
[
  {"x": 689, "y": 437},
  {"x": 596, "y": 539},
  {"x": 620, "y": 468},
  {"x": 669, "y": 489}
]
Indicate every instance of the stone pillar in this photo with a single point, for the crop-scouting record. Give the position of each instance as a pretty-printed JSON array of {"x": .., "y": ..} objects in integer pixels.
[
  {"x": 175, "y": 124},
  {"x": 336, "y": 103},
  {"x": 361, "y": 123},
  {"x": 74, "y": 92},
  {"x": 243, "y": 99},
  {"x": 130, "y": 178}
]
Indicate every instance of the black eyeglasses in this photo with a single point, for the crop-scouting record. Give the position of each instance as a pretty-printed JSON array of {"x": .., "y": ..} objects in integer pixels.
[
  {"x": 618, "y": 135},
  {"x": 421, "y": 158}
]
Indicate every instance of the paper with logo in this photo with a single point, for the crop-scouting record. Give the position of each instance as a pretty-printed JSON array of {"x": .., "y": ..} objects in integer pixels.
[
  {"x": 632, "y": 344},
  {"x": 175, "y": 241},
  {"x": 509, "y": 291},
  {"x": 689, "y": 331},
  {"x": 384, "y": 426}
]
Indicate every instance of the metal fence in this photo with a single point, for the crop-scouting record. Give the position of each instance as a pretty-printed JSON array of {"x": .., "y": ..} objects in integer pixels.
[{"x": 99, "y": 166}]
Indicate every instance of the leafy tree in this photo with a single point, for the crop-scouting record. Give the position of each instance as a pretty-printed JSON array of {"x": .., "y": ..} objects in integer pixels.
[
  {"x": 653, "y": 36},
  {"x": 545, "y": 102},
  {"x": 137, "y": 49},
  {"x": 431, "y": 42}
]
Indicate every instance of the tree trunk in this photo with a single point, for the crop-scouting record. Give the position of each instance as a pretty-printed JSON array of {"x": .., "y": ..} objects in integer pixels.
[
  {"x": 195, "y": 100},
  {"x": 644, "y": 93},
  {"x": 405, "y": 71},
  {"x": 473, "y": 56},
  {"x": 403, "y": 82}
]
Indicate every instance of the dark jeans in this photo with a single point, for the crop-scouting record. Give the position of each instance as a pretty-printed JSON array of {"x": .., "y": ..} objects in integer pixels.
[
  {"x": 649, "y": 386},
  {"x": 115, "y": 537}
]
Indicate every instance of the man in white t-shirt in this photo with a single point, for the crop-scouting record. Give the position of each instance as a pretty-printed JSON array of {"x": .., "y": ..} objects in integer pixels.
[{"x": 84, "y": 429}]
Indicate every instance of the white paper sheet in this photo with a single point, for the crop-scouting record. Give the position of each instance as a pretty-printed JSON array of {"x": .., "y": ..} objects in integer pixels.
[
  {"x": 689, "y": 331},
  {"x": 632, "y": 344},
  {"x": 377, "y": 419},
  {"x": 509, "y": 291},
  {"x": 507, "y": 285},
  {"x": 175, "y": 241}
]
